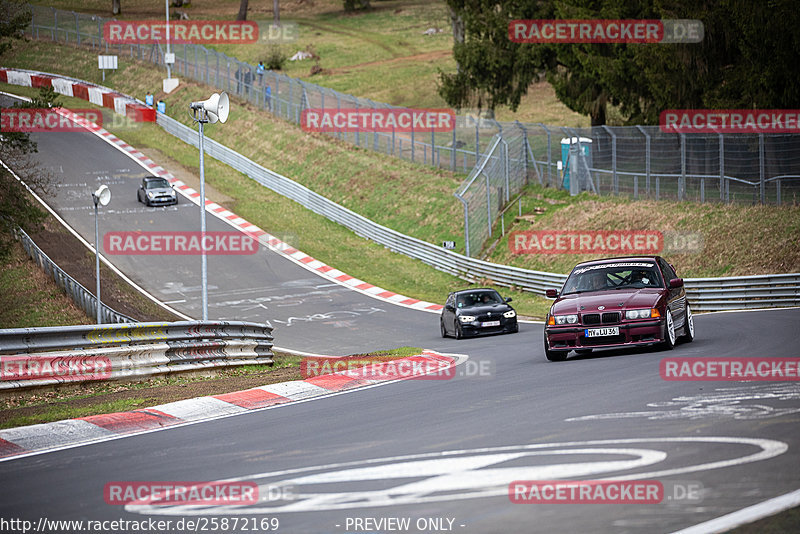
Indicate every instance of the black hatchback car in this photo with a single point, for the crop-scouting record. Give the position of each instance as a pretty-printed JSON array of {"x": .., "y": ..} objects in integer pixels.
[
  {"x": 477, "y": 311},
  {"x": 156, "y": 191}
]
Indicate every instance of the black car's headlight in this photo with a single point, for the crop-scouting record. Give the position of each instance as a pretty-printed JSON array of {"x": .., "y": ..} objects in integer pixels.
[
  {"x": 510, "y": 314},
  {"x": 466, "y": 318}
]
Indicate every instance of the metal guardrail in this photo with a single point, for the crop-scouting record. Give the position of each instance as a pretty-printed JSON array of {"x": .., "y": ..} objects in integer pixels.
[
  {"x": 54, "y": 355},
  {"x": 82, "y": 297},
  {"x": 706, "y": 294},
  {"x": 743, "y": 292},
  {"x": 709, "y": 294}
]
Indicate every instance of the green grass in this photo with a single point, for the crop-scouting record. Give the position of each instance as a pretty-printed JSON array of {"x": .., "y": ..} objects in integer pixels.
[
  {"x": 380, "y": 54},
  {"x": 788, "y": 521},
  {"x": 28, "y": 297},
  {"x": 414, "y": 199},
  {"x": 60, "y": 411},
  {"x": 420, "y": 198}
]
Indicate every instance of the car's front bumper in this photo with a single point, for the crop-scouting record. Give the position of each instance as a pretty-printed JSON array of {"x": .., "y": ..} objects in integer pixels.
[
  {"x": 475, "y": 329},
  {"x": 639, "y": 333},
  {"x": 163, "y": 201}
]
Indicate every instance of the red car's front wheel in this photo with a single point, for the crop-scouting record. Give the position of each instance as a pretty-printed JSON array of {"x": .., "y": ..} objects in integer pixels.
[{"x": 669, "y": 332}]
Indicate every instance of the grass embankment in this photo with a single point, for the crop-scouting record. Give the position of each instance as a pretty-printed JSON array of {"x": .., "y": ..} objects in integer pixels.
[
  {"x": 28, "y": 297},
  {"x": 736, "y": 240},
  {"x": 415, "y": 199},
  {"x": 381, "y": 54},
  {"x": 419, "y": 198}
]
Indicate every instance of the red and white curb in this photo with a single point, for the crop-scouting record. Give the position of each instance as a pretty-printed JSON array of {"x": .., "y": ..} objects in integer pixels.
[
  {"x": 264, "y": 238},
  {"x": 74, "y": 432}
]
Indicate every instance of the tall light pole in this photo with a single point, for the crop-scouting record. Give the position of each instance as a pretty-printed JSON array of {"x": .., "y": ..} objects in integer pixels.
[
  {"x": 169, "y": 83},
  {"x": 216, "y": 108},
  {"x": 101, "y": 196},
  {"x": 166, "y": 62}
]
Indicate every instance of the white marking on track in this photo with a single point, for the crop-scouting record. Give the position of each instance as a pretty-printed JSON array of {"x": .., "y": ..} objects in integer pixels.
[
  {"x": 743, "y": 403},
  {"x": 447, "y": 476}
]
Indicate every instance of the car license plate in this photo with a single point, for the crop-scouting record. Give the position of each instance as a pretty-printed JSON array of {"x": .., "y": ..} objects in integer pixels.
[
  {"x": 600, "y": 332},
  {"x": 491, "y": 323}
]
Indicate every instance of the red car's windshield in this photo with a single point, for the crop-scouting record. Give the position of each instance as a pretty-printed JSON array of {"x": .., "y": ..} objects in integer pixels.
[{"x": 637, "y": 274}]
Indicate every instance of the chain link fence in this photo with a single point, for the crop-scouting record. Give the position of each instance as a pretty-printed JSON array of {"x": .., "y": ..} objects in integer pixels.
[{"x": 640, "y": 162}]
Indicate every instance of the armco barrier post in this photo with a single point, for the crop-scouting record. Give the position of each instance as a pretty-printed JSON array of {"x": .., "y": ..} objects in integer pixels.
[
  {"x": 646, "y": 158},
  {"x": 682, "y": 180},
  {"x": 761, "y": 173}
]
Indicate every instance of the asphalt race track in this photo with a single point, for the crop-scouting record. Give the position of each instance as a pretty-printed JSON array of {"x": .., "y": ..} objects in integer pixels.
[{"x": 437, "y": 453}]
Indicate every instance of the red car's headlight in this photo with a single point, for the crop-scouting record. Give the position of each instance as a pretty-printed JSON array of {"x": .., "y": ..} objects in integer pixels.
[{"x": 642, "y": 314}]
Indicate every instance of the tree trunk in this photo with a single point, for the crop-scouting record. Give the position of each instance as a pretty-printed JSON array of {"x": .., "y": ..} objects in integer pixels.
[
  {"x": 598, "y": 110},
  {"x": 458, "y": 26},
  {"x": 116, "y": 8},
  {"x": 599, "y": 116},
  {"x": 242, "y": 15},
  {"x": 458, "y": 31},
  {"x": 276, "y": 12}
]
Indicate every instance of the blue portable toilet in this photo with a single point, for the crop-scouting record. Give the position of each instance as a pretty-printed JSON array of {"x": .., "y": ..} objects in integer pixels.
[{"x": 571, "y": 144}]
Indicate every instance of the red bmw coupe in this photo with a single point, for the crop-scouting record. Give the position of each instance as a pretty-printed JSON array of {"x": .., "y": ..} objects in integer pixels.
[{"x": 617, "y": 302}]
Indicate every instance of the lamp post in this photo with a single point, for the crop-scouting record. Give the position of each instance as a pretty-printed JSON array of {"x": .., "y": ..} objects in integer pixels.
[
  {"x": 166, "y": 62},
  {"x": 216, "y": 108},
  {"x": 101, "y": 196}
]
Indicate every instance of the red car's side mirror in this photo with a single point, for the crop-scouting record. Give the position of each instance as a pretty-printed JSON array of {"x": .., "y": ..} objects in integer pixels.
[
  {"x": 551, "y": 293},
  {"x": 676, "y": 283}
]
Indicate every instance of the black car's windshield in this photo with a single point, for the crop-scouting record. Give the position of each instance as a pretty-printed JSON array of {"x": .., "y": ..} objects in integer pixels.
[
  {"x": 156, "y": 184},
  {"x": 613, "y": 276},
  {"x": 478, "y": 298}
]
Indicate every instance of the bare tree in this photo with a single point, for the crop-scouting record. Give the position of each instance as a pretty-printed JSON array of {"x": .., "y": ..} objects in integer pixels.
[
  {"x": 17, "y": 207},
  {"x": 276, "y": 12},
  {"x": 242, "y": 15}
]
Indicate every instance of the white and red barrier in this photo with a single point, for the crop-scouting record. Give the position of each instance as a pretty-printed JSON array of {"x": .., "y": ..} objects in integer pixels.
[{"x": 100, "y": 96}]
